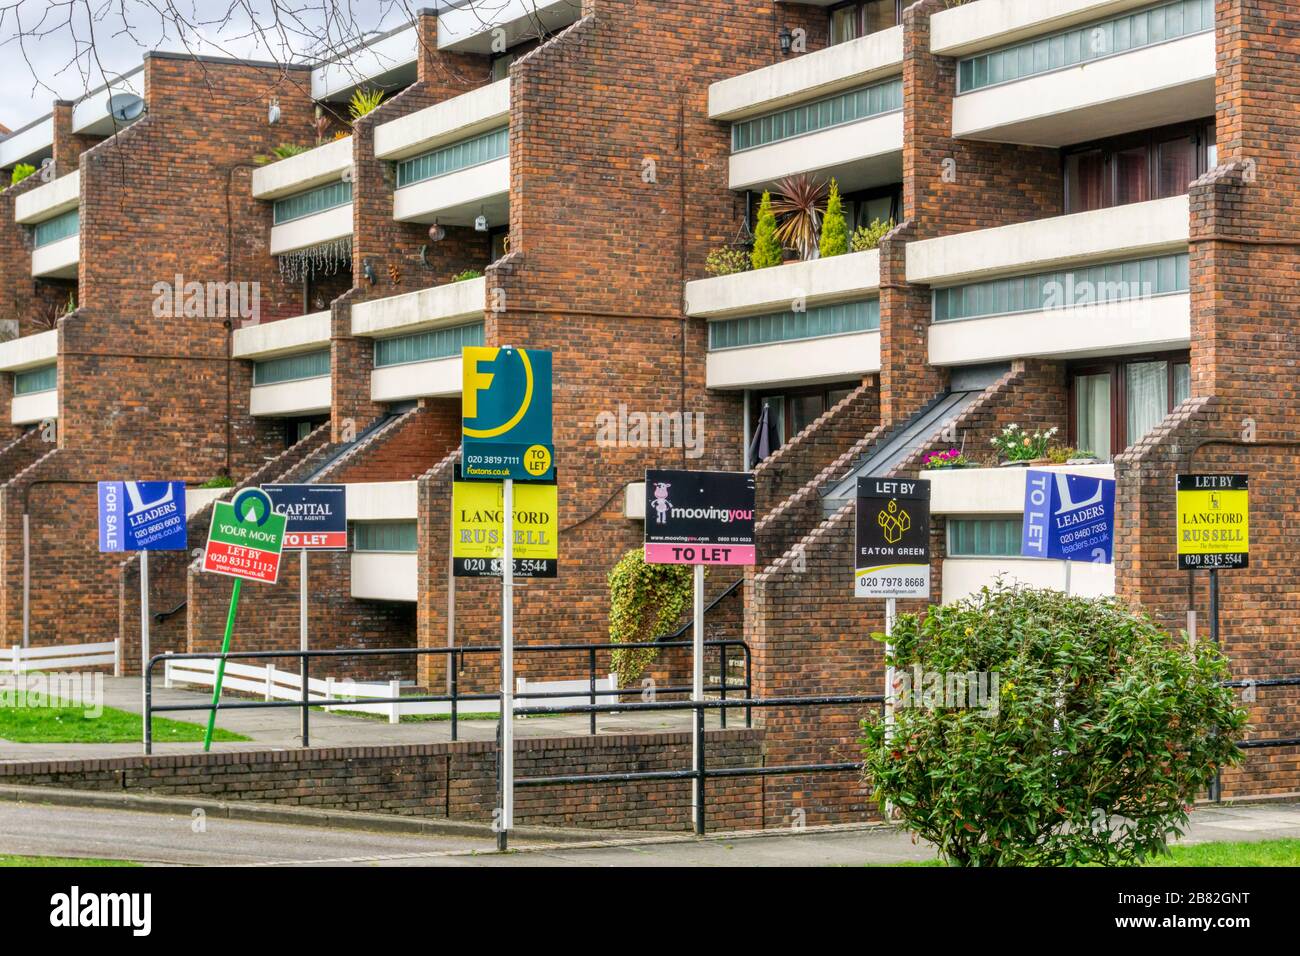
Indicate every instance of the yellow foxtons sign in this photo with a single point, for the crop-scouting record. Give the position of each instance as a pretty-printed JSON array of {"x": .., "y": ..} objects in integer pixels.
[
  {"x": 1213, "y": 514},
  {"x": 477, "y": 523}
]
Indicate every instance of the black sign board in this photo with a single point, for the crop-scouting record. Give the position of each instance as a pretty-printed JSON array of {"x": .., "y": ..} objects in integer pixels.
[
  {"x": 699, "y": 517},
  {"x": 892, "y": 544}
]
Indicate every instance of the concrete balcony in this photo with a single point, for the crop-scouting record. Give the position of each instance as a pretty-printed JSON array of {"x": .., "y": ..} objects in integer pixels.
[
  {"x": 1035, "y": 97},
  {"x": 57, "y": 260},
  {"x": 307, "y": 396},
  {"x": 831, "y": 358},
  {"x": 386, "y": 62},
  {"x": 302, "y": 333},
  {"x": 858, "y": 155},
  {"x": 53, "y": 199},
  {"x": 312, "y": 230},
  {"x": 1000, "y": 492},
  {"x": 30, "y": 351},
  {"x": 1121, "y": 232},
  {"x": 815, "y": 282},
  {"x": 316, "y": 167},
  {"x": 448, "y": 304},
  {"x": 458, "y": 198},
  {"x": 808, "y": 77},
  {"x": 475, "y": 25},
  {"x": 437, "y": 378},
  {"x": 460, "y": 117},
  {"x": 33, "y": 408},
  {"x": 29, "y": 144},
  {"x": 383, "y": 575}
]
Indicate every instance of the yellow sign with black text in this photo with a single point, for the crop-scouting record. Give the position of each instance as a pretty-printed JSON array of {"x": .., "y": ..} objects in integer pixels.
[
  {"x": 1213, "y": 521},
  {"x": 477, "y": 521}
]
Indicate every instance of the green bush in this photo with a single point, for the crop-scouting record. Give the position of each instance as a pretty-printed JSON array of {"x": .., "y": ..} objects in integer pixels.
[
  {"x": 645, "y": 601},
  {"x": 835, "y": 231},
  {"x": 767, "y": 248},
  {"x": 21, "y": 172},
  {"x": 283, "y": 151},
  {"x": 868, "y": 237},
  {"x": 467, "y": 274},
  {"x": 726, "y": 261},
  {"x": 1098, "y": 731},
  {"x": 221, "y": 481}
]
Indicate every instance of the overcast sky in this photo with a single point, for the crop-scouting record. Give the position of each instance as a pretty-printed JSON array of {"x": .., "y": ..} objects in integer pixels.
[{"x": 52, "y": 49}]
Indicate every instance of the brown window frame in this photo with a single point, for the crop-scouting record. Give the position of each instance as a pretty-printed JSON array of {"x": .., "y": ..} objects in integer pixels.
[
  {"x": 1117, "y": 369},
  {"x": 1202, "y": 132},
  {"x": 861, "y": 7}
]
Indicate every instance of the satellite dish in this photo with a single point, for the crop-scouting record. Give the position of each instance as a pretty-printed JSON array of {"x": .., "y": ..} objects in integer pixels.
[{"x": 125, "y": 107}]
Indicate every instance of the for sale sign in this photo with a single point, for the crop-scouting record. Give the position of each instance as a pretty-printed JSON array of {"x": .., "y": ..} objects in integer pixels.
[
  {"x": 699, "y": 517},
  {"x": 1213, "y": 522},
  {"x": 142, "y": 516},
  {"x": 477, "y": 514},
  {"x": 245, "y": 538},
  {"x": 892, "y": 546},
  {"x": 316, "y": 516}
]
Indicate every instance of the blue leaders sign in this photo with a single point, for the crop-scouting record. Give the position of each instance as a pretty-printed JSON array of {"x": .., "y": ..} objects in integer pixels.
[
  {"x": 142, "y": 516},
  {"x": 317, "y": 515},
  {"x": 1068, "y": 517},
  {"x": 506, "y": 415}
]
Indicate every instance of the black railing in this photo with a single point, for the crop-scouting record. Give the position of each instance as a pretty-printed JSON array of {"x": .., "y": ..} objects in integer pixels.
[{"x": 457, "y": 657}]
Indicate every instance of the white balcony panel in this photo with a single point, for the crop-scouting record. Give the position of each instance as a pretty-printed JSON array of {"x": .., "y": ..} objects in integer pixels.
[
  {"x": 457, "y": 198},
  {"x": 472, "y": 27},
  {"x": 333, "y": 223},
  {"x": 30, "y": 351},
  {"x": 634, "y": 501},
  {"x": 196, "y": 499},
  {"x": 963, "y": 577},
  {"x": 829, "y": 358},
  {"x": 460, "y": 117},
  {"x": 57, "y": 260},
  {"x": 776, "y": 289},
  {"x": 992, "y": 491},
  {"x": 301, "y": 397},
  {"x": 986, "y": 24},
  {"x": 1113, "y": 328},
  {"x": 1153, "y": 86},
  {"x": 316, "y": 167},
  {"x": 53, "y": 199},
  {"x": 437, "y": 378},
  {"x": 382, "y": 500},
  {"x": 37, "y": 407},
  {"x": 385, "y": 576},
  {"x": 29, "y": 144},
  {"x": 1123, "y": 232},
  {"x": 302, "y": 333},
  {"x": 448, "y": 304},
  {"x": 386, "y": 62},
  {"x": 808, "y": 77},
  {"x": 91, "y": 115},
  {"x": 866, "y": 153}
]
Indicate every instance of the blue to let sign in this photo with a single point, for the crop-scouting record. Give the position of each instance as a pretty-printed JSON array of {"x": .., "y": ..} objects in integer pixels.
[
  {"x": 316, "y": 515},
  {"x": 1068, "y": 517},
  {"x": 506, "y": 415},
  {"x": 142, "y": 516}
]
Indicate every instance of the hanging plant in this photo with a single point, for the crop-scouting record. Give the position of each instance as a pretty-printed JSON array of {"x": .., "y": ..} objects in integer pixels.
[
  {"x": 645, "y": 600},
  {"x": 324, "y": 259}
]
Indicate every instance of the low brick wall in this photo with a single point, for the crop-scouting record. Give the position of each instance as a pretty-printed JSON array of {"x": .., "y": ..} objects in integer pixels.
[{"x": 445, "y": 780}]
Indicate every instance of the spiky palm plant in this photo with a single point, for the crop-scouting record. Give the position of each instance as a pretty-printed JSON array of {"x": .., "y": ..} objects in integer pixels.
[
  {"x": 799, "y": 208},
  {"x": 364, "y": 101}
]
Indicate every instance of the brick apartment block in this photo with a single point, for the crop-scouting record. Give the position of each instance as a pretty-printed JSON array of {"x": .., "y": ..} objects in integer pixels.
[{"x": 557, "y": 183}]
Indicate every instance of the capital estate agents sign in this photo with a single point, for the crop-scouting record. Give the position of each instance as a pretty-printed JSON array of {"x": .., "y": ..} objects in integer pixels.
[
  {"x": 245, "y": 538},
  {"x": 477, "y": 529},
  {"x": 1213, "y": 521},
  {"x": 699, "y": 517},
  {"x": 317, "y": 516},
  {"x": 142, "y": 516},
  {"x": 1068, "y": 517},
  {"x": 892, "y": 541}
]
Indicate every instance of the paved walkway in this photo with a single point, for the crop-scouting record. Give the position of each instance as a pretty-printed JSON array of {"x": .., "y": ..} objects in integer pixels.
[
  {"x": 42, "y": 830},
  {"x": 278, "y": 728}
]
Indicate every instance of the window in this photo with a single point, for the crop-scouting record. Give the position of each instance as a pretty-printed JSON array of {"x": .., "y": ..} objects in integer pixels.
[
  {"x": 791, "y": 410},
  {"x": 296, "y": 429},
  {"x": 1153, "y": 164},
  {"x": 847, "y": 107},
  {"x": 501, "y": 64},
  {"x": 390, "y": 536},
  {"x": 60, "y": 227},
  {"x": 1115, "y": 404},
  {"x": 816, "y": 322},
  {"x": 885, "y": 204},
  {"x": 984, "y": 537},
  {"x": 43, "y": 379},
  {"x": 1082, "y": 44},
  {"x": 292, "y": 368},
  {"x": 312, "y": 201},
  {"x": 449, "y": 159},
  {"x": 427, "y": 346},
  {"x": 862, "y": 17}
]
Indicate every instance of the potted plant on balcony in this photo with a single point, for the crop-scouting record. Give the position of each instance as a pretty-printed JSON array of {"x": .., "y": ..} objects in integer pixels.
[
  {"x": 767, "y": 248},
  {"x": 1065, "y": 455},
  {"x": 868, "y": 237},
  {"x": 835, "y": 230},
  {"x": 799, "y": 211},
  {"x": 725, "y": 261},
  {"x": 1018, "y": 447},
  {"x": 945, "y": 460}
]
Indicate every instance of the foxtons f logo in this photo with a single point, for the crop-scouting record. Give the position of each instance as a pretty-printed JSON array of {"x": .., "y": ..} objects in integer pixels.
[
  {"x": 894, "y": 522},
  {"x": 477, "y": 381}
]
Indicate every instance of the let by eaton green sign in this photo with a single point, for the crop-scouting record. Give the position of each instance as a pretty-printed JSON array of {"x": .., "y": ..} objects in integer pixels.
[{"x": 506, "y": 415}]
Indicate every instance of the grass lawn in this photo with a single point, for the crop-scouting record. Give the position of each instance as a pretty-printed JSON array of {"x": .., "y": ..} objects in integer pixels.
[
  {"x": 58, "y": 861},
  {"x": 1264, "y": 853},
  {"x": 70, "y": 725}
]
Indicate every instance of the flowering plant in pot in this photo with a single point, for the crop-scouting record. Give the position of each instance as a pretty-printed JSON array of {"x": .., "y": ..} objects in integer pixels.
[
  {"x": 1019, "y": 447},
  {"x": 937, "y": 460}
]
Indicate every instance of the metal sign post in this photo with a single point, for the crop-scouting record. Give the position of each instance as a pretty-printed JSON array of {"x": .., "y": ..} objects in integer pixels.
[
  {"x": 699, "y": 518},
  {"x": 507, "y": 665}
]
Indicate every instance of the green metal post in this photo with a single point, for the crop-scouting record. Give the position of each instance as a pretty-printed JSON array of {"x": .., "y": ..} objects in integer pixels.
[{"x": 221, "y": 665}]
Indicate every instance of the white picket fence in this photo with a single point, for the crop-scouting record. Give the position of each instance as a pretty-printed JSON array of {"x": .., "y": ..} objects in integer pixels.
[
  {"x": 274, "y": 684},
  {"x": 22, "y": 660}
]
